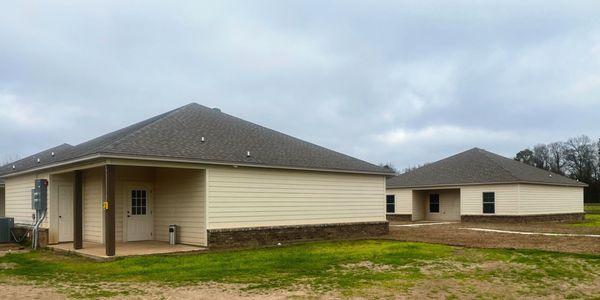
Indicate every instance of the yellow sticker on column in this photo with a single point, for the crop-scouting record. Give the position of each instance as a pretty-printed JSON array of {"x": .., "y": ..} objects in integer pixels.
[{"x": 105, "y": 205}]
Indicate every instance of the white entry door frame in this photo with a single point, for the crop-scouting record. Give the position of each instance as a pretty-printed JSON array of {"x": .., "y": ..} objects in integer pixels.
[
  {"x": 138, "y": 212},
  {"x": 65, "y": 212}
]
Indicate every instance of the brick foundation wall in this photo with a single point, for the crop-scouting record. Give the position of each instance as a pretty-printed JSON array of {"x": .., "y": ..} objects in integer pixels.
[
  {"x": 398, "y": 218},
  {"x": 269, "y": 236},
  {"x": 570, "y": 217},
  {"x": 20, "y": 230}
]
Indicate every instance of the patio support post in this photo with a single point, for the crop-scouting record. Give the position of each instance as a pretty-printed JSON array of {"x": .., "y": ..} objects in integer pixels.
[
  {"x": 109, "y": 210},
  {"x": 78, "y": 211}
]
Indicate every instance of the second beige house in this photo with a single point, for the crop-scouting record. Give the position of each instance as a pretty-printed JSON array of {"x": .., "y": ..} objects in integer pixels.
[{"x": 477, "y": 185}]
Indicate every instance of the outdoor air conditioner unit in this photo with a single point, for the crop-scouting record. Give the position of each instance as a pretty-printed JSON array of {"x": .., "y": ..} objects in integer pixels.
[{"x": 6, "y": 224}]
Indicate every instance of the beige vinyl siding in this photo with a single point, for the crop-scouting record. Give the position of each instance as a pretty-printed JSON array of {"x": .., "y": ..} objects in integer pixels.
[
  {"x": 93, "y": 181},
  {"x": 124, "y": 176},
  {"x": 249, "y": 197},
  {"x": 18, "y": 198},
  {"x": 179, "y": 199},
  {"x": 449, "y": 205},
  {"x": 546, "y": 199},
  {"x": 1, "y": 201},
  {"x": 506, "y": 198},
  {"x": 418, "y": 203},
  {"x": 403, "y": 199}
]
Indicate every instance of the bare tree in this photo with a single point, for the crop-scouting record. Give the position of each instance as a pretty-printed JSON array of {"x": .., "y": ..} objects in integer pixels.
[
  {"x": 578, "y": 158},
  {"x": 556, "y": 153},
  {"x": 541, "y": 156},
  {"x": 581, "y": 157},
  {"x": 411, "y": 168}
]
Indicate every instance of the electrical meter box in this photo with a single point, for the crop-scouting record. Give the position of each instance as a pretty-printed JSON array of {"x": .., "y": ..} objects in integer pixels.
[{"x": 39, "y": 195}]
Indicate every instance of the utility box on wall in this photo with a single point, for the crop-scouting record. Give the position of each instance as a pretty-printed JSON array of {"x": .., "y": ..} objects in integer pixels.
[
  {"x": 6, "y": 224},
  {"x": 39, "y": 195}
]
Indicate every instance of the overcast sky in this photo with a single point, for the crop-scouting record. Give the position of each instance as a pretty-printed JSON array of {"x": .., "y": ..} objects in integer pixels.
[{"x": 405, "y": 82}]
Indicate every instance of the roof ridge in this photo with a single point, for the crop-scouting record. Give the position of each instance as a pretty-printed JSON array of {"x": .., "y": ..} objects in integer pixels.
[
  {"x": 158, "y": 118},
  {"x": 431, "y": 164},
  {"x": 492, "y": 159}
]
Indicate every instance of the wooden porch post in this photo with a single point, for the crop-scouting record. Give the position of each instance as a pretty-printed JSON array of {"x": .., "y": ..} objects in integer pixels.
[
  {"x": 109, "y": 210},
  {"x": 78, "y": 211}
]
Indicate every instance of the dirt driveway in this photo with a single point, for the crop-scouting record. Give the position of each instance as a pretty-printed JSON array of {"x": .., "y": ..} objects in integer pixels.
[{"x": 456, "y": 234}]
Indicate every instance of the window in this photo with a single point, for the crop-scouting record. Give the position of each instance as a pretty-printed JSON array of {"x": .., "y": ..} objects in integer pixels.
[
  {"x": 390, "y": 201},
  {"x": 489, "y": 203},
  {"x": 138, "y": 202},
  {"x": 434, "y": 203}
]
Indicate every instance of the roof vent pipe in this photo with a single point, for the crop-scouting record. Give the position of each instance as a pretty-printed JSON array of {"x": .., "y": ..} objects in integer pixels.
[
  {"x": 14, "y": 167},
  {"x": 202, "y": 139},
  {"x": 38, "y": 160},
  {"x": 247, "y": 153},
  {"x": 52, "y": 154}
]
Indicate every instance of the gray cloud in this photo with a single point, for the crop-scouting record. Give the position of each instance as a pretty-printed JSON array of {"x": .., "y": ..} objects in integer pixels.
[{"x": 389, "y": 81}]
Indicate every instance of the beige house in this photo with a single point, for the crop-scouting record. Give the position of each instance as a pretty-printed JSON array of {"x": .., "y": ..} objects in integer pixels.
[
  {"x": 222, "y": 180},
  {"x": 477, "y": 185}
]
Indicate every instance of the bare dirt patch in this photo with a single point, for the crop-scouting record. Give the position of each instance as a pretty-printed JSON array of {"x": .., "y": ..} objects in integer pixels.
[
  {"x": 451, "y": 234},
  {"x": 20, "y": 291},
  {"x": 547, "y": 227},
  {"x": 367, "y": 265},
  {"x": 15, "y": 290},
  {"x": 12, "y": 248}
]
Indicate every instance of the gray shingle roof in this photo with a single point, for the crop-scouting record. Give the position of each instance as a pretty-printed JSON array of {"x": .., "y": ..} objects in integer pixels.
[
  {"x": 477, "y": 166},
  {"x": 178, "y": 134}
]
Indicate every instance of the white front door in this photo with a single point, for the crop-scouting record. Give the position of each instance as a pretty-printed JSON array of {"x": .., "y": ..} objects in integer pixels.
[
  {"x": 138, "y": 210},
  {"x": 65, "y": 212}
]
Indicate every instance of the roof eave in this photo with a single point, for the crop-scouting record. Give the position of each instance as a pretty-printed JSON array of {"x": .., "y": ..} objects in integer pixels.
[
  {"x": 181, "y": 160},
  {"x": 580, "y": 184}
]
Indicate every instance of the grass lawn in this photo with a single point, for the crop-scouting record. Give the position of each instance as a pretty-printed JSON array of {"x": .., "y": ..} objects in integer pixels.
[
  {"x": 592, "y": 208},
  {"x": 591, "y": 220},
  {"x": 371, "y": 268}
]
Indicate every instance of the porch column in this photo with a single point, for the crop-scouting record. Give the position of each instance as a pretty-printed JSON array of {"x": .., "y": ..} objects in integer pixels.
[
  {"x": 109, "y": 210},
  {"x": 78, "y": 211}
]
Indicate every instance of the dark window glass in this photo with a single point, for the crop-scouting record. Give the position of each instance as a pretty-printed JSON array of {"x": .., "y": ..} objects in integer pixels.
[
  {"x": 434, "y": 203},
  {"x": 138, "y": 202},
  {"x": 489, "y": 203},
  {"x": 390, "y": 201}
]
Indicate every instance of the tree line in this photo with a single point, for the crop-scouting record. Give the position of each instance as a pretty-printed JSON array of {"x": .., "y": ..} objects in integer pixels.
[{"x": 577, "y": 158}]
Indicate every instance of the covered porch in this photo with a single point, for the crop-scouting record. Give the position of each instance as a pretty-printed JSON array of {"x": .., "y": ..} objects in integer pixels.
[
  {"x": 123, "y": 208},
  {"x": 436, "y": 205}
]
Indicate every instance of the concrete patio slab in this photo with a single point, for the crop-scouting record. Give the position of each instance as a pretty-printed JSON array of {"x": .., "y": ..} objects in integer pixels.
[{"x": 97, "y": 251}]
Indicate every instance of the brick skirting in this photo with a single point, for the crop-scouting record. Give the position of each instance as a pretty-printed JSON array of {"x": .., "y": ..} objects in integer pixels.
[
  {"x": 570, "y": 217},
  {"x": 269, "y": 236},
  {"x": 398, "y": 218},
  {"x": 20, "y": 230}
]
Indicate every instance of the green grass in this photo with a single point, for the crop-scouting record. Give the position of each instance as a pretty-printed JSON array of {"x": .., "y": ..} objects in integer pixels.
[
  {"x": 592, "y": 208},
  {"x": 349, "y": 268},
  {"x": 591, "y": 220}
]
